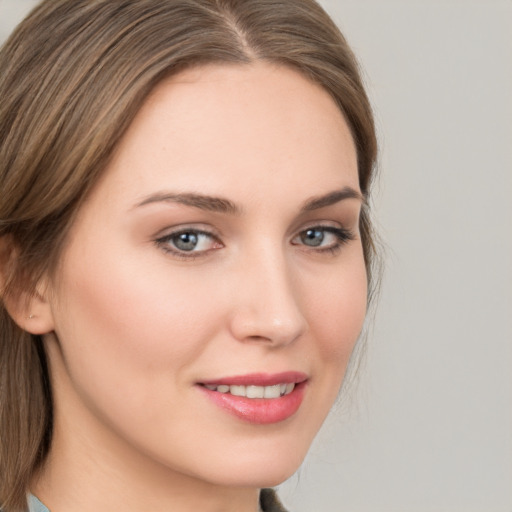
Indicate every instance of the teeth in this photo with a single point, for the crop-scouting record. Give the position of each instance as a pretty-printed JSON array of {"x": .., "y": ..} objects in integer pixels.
[
  {"x": 237, "y": 390},
  {"x": 272, "y": 391},
  {"x": 289, "y": 388},
  {"x": 254, "y": 391}
]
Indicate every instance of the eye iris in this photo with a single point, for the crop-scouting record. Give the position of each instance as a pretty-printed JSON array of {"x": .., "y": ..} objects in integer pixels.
[
  {"x": 312, "y": 237},
  {"x": 186, "y": 241}
]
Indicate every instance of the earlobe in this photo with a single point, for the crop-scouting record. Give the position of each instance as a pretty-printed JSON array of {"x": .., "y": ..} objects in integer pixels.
[
  {"x": 32, "y": 312},
  {"x": 37, "y": 317}
]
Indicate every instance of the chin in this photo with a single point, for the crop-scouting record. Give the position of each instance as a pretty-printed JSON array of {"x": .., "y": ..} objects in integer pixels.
[{"x": 264, "y": 469}]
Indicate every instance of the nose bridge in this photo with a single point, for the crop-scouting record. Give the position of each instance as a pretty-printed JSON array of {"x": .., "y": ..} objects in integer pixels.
[{"x": 268, "y": 305}]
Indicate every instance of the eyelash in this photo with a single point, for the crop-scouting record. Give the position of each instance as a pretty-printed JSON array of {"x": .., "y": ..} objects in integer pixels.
[{"x": 343, "y": 236}]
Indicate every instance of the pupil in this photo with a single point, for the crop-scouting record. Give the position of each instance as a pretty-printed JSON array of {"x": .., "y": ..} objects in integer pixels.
[
  {"x": 186, "y": 241},
  {"x": 313, "y": 237}
]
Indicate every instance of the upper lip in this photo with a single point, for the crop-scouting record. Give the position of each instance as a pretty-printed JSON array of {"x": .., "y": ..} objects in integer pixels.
[{"x": 259, "y": 379}]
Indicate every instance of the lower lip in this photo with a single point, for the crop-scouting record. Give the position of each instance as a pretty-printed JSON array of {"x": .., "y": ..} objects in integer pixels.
[{"x": 261, "y": 411}]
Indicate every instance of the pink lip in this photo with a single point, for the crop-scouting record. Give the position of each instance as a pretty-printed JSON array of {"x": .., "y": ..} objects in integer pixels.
[
  {"x": 259, "y": 379},
  {"x": 261, "y": 411}
]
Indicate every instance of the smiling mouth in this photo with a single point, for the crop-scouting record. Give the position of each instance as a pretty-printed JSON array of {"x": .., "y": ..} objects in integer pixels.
[
  {"x": 258, "y": 398},
  {"x": 274, "y": 391}
]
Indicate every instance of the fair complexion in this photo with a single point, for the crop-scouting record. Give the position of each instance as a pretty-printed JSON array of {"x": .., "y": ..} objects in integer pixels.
[{"x": 220, "y": 246}]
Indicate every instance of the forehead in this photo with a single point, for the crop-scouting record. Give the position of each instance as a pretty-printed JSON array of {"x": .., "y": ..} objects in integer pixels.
[{"x": 216, "y": 127}]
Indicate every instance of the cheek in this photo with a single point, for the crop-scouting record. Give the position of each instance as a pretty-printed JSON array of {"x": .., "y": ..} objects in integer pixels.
[
  {"x": 123, "y": 312},
  {"x": 337, "y": 312}
]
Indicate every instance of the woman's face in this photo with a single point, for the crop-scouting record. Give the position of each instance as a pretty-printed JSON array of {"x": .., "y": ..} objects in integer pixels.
[{"x": 219, "y": 256}]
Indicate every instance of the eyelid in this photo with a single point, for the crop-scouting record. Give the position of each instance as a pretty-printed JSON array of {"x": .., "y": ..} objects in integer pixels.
[
  {"x": 196, "y": 227},
  {"x": 331, "y": 226}
]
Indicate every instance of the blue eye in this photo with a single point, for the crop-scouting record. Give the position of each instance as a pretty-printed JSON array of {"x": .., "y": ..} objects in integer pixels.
[
  {"x": 188, "y": 242},
  {"x": 185, "y": 241},
  {"x": 312, "y": 237},
  {"x": 323, "y": 238}
]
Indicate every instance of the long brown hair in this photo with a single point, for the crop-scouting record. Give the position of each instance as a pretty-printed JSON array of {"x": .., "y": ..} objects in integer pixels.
[{"x": 72, "y": 77}]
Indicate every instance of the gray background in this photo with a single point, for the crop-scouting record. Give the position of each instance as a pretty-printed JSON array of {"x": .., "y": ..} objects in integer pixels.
[{"x": 429, "y": 427}]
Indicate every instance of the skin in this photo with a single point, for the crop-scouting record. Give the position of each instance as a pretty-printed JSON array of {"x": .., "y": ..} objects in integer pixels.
[{"x": 131, "y": 328}]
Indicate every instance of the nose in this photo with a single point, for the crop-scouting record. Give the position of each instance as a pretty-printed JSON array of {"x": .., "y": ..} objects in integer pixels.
[{"x": 267, "y": 301}]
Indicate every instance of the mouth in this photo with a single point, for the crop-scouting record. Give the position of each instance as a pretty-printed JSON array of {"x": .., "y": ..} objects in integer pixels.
[{"x": 258, "y": 398}]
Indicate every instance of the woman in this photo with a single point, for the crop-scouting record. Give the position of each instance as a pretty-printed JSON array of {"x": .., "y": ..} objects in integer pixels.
[{"x": 186, "y": 249}]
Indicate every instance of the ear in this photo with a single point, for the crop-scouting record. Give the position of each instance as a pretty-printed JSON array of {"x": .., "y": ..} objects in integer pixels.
[{"x": 31, "y": 310}]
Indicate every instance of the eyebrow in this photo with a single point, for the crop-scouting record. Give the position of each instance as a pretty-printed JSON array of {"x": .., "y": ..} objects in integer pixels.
[
  {"x": 331, "y": 198},
  {"x": 223, "y": 205},
  {"x": 203, "y": 202}
]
